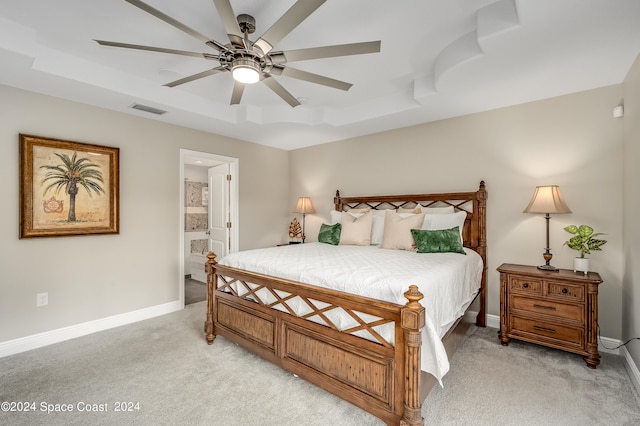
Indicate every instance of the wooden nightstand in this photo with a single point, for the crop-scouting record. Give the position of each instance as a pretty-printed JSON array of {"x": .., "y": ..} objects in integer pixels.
[{"x": 555, "y": 309}]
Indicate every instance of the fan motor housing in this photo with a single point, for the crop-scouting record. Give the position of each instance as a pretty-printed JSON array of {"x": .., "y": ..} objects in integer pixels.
[{"x": 247, "y": 23}]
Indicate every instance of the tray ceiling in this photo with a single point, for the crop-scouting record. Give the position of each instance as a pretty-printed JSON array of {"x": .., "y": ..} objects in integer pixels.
[{"x": 438, "y": 59}]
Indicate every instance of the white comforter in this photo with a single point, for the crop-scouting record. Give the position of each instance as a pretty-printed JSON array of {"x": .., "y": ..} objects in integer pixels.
[{"x": 449, "y": 281}]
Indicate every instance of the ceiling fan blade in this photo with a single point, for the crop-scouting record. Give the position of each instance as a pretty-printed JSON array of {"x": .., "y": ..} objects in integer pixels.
[
  {"x": 169, "y": 20},
  {"x": 228, "y": 17},
  {"x": 280, "y": 91},
  {"x": 196, "y": 76},
  {"x": 236, "y": 95},
  {"x": 217, "y": 45},
  {"x": 325, "y": 52},
  {"x": 312, "y": 78},
  {"x": 156, "y": 49},
  {"x": 287, "y": 22}
]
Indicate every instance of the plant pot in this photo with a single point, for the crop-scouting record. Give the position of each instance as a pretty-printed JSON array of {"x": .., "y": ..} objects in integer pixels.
[{"x": 581, "y": 264}]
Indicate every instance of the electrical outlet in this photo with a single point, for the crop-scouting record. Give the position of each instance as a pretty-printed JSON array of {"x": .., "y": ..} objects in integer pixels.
[{"x": 42, "y": 299}]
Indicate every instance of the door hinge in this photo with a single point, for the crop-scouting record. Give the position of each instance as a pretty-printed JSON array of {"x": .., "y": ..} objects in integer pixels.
[
  {"x": 229, "y": 225},
  {"x": 228, "y": 177}
]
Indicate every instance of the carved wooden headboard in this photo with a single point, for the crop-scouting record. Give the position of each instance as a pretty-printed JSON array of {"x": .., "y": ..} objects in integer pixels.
[
  {"x": 474, "y": 234},
  {"x": 473, "y": 203}
]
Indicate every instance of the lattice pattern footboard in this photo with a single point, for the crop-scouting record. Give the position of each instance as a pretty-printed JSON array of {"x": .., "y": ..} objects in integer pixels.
[{"x": 293, "y": 325}]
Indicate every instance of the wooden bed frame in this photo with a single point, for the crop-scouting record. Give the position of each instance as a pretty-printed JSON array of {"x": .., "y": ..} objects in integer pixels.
[{"x": 382, "y": 379}]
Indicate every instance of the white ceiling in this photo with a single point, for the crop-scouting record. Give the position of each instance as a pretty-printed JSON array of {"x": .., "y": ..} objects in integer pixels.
[{"x": 438, "y": 59}]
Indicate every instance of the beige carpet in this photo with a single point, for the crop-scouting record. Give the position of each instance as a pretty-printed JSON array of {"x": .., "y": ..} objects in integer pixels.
[{"x": 164, "y": 373}]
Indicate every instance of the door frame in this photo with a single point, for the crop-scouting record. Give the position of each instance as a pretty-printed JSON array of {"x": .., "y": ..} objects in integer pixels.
[{"x": 233, "y": 205}]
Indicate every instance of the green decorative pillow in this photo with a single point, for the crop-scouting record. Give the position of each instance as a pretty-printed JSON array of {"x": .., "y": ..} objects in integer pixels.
[
  {"x": 439, "y": 241},
  {"x": 330, "y": 234}
]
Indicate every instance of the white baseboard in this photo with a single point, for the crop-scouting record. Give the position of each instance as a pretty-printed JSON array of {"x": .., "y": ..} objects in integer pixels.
[
  {"x": 493, "y": 321},
  {"x": 35, "y": 341},
  {"x": 632, "y": 368},
  {"x": 606, "y": 344}
]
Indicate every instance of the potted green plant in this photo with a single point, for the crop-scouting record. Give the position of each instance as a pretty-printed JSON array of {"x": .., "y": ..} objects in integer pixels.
[{"x": 584, "y": 240}]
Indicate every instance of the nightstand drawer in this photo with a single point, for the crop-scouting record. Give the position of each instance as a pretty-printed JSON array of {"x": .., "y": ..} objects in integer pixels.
[
  {"x": 568, "y": 335},
  {"x": 525, "y": 285},
  {"x": 565, "y": 291},
  {"x": 545, "y": 307}
]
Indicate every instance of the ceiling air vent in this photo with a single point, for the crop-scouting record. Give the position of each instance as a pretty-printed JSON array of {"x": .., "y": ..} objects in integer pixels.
[{"x": 147, "y": 108}]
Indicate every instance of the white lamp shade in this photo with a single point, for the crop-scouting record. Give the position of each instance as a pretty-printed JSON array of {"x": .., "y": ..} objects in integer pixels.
[
  {"x": 304, "y": 206},
  {"x": 547, "y": 199}
]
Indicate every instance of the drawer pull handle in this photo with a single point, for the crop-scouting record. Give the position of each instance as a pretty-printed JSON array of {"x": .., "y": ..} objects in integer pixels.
[
  {"x": 564, "y": 291},
  {"x": 548, "y": 308},
  {"x": 525, "y": 285},
  {"x": 548, "y": 330}
]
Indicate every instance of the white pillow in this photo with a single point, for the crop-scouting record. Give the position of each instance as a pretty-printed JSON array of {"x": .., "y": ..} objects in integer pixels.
[
  {"x": 377, "y": 228},
  {"x": 356, "y": 230},
  {"x": 335, "y": 216},
  {"x": 435, "y": 222},
  {"x": 397, "y": 230}
]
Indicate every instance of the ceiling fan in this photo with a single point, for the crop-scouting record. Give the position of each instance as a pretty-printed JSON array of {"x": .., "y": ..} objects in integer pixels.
[{"x": 253, "y": 61}]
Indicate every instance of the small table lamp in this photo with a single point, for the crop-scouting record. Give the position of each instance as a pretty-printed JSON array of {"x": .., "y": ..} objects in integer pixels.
[
  {"x": 304, "y": 207},
  {"x": 546, "y": 200}
]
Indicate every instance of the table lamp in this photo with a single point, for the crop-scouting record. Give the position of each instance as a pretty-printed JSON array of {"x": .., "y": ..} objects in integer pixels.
[
  {"x": 304, "y": 207},
  {"x": 547, "y": 200}
]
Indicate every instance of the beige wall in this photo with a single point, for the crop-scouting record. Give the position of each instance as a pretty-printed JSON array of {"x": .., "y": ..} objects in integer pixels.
[
  {"x": 571, "y": 141},
  {"x": 631, "y": 197},
  {"x": 94, "y": 277}
]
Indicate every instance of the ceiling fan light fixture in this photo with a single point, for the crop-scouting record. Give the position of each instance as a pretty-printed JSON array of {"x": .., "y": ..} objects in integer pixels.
[
  {"x": 245, "y": 71},
  {"x": 253, "y": 61}
]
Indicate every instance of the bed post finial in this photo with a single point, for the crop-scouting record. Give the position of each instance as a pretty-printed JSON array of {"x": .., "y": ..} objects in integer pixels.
[
  {"x": 337, "y": 203},
  {"x": 210, "y": 269},
  {"x": 414, "y": 296},
  {"x": 413, "y": 319}
]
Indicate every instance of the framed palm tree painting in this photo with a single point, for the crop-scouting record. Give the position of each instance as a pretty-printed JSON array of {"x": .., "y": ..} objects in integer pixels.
[{"x": 67, "y": 188}]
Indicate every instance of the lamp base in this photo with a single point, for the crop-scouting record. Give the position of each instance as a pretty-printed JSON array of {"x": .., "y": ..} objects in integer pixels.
[
  {"x": 547, "y": 257},
  {"x": 548, "y": 268}
]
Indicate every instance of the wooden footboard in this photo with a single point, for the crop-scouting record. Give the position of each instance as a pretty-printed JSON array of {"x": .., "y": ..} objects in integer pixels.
[{"x": 380, "y": 377}]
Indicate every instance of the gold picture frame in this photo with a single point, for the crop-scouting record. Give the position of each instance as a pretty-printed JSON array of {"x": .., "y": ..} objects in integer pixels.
[{"x": 68, "y": 188}]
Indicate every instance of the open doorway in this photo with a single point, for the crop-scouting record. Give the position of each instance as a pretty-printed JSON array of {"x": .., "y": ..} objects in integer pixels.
[{"x": 208, "y": 216}]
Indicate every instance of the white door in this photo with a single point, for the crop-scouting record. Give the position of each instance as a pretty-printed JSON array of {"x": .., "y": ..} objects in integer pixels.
[{"x": 219, "y": 217}]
